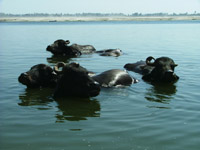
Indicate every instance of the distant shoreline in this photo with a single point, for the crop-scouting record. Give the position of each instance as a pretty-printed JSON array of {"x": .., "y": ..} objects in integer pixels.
[{"x": 73, "y": 19}]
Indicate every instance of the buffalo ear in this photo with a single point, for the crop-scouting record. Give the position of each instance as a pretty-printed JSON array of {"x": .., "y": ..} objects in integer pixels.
[{"x": 148, "y": 61}]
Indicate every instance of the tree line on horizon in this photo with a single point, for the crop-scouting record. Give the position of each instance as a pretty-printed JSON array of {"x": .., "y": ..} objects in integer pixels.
[{"x": 96, "y": 14}]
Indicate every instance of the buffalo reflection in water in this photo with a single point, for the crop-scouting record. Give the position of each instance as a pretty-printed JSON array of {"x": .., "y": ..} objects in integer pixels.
[
  {"x": 75, "y": 109},
  {"x": 161, "y": 93},
  {"x": 55, "y": 59},
  {"x": 36, "y": 96},
  {"x": 71, "y": 109}
]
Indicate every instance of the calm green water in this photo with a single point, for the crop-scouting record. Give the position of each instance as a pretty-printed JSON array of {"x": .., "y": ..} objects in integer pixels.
[{"x": 139, "y": 117}]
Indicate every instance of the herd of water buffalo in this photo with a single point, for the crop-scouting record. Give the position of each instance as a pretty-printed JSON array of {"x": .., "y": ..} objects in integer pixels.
[{"x": 74, "y": 80}]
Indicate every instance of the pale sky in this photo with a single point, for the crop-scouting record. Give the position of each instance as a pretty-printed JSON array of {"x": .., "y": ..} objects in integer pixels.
[{"x": 99, "y": 6}]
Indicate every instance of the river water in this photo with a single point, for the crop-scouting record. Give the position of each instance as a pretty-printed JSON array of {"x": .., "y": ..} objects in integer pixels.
[{"x": 142, "y": 116}]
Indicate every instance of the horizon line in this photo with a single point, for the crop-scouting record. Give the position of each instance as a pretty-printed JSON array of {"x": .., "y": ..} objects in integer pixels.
[{"x": 97, "y": 13}]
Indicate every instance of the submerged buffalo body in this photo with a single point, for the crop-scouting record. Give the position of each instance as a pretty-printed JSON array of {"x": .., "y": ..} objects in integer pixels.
[
  {"x": 139, "y": 67},
  {"x": 161, "y": 70},
  {"x": 61, "y": 47},
  {"x": 40, "y": 75},
  {"x": 110, "y": 52},
  {"x": 114, "y": 77},
  {"x": 84, "y": 49}
]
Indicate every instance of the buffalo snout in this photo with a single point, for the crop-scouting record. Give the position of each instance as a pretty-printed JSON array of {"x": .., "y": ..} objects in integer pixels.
[
  {"x": 94, "y": 89},
  {"x": 24, "y": 78},
  {"x": 48, "y": 48},
  {"x": 170, "y": 76}
]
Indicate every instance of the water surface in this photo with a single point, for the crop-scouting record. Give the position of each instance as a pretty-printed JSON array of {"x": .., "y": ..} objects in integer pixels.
[{"x": 142, "y": 116}]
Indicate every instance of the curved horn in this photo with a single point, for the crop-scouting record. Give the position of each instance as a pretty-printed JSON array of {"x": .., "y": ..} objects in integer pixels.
[
  {"x": 67, "y": 41},
  {"x": 57, "y": 66},
  {"x": 148, "y": 61}
]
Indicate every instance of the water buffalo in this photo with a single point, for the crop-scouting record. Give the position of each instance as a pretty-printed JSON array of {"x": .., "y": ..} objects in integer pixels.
[
  {"x": 110, "y": 52},
  {"x": 75, "y": 81},
  {"x": 114, "y": 77},
  {"x": 40, "y": 75},
  {"x": 161, "y": 70},
  {"x": 61, "y": 47},
  {"x": 109, "y": 78}
]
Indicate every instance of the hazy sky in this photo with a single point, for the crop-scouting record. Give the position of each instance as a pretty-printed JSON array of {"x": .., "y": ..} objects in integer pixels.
[{"x": 99, "y": 6}]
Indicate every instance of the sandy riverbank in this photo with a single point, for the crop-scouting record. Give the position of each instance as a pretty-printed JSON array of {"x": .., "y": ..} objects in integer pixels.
[{"x": 63, "y": 19}]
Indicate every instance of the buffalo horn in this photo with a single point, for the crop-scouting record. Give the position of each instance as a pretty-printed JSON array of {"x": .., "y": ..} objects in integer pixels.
[
  {"x": 148, "y": 61},
  {"x": 57, "y": 66}
]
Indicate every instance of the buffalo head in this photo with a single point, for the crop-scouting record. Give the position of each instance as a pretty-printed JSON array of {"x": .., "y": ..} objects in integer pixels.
[
  {"x": 163, "y": 70},
  {"x": 60, "y": 47},
  {"x": 40, "y": 75},
  {"x": 75, "y": 81}
]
